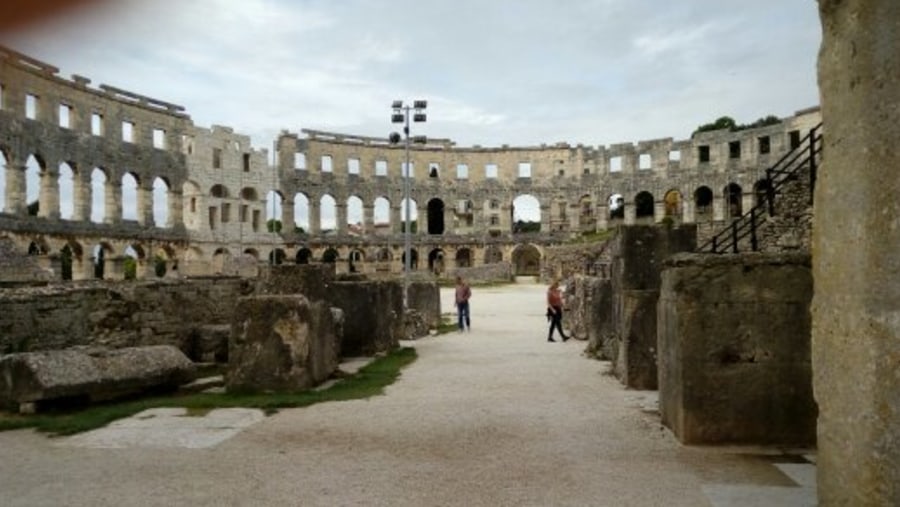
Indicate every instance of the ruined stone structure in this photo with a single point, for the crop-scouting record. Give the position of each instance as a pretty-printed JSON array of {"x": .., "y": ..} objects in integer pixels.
[{"x": 115, "y": 174}]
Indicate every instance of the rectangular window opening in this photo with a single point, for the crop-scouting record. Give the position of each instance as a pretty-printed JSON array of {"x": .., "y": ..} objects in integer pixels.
[
  {"x": 255, "y": 224},
  {"x": 644, "y": 161},
  {"x": 381, "y": 168},
  {"x": 213, "y": 211},
  {"x": 326, "y": 164},
  {"x": 734, "y": 149},
  {"x": 159, "y": 139},
  {"x": 411, "y": 172},
  {"x": 490, "y": 171},
  {"x": 795, "y": 138},
  {"x": 765, "y": 145},
  {"x": 246, "y": 159},
  {"x": 244, "y": 213},
  {"x": 615, "y": 164},
  {"x": 353, "y": 166},
  {"x": 675, "y": 156},
  {"x": 300, "y": 161},
  {"x": 217, "y": 158},
  {"x": 31, "y": 106},
  {"x": 703, "y": 153},
  {"x": 462, "y": 171},
  {"x": 97, "y": 124},
  {"x": 65, "y": 116},
  {"x": 525, "y": 169},
  {"x": 128, "y": 131},
  {"x": 226, "y": 212}
]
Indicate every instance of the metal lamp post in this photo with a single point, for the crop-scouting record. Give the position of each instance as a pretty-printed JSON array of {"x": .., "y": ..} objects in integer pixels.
[{"x": 401, "y": 115}]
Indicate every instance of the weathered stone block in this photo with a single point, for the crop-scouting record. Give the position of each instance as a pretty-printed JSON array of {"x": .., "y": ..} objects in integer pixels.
[
  {"x": 425, "y": 298},
  {"x": 92, "y": 374},
  {"x": 373, "y": 314},
  {"x": 734, "y": 349},
  {"x": 311, "y": 280},
  {"x": 280, "y": 343}
]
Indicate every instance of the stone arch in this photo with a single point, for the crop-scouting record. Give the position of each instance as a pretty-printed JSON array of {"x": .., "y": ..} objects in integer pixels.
[
  {"x": 616, "y": 203},
  {"x": 161, "y": 200},
  {"x": 66, "y": 190},
  {"x": 331, "y": 255},
  {"x": 328, "y": 213},
  {"x": 493, "y": 254},
  {"x": 672, "y": 203},
  {"x": 38, "y": 246},
  {"x": 644, "y": 205},
  {"x": 355, "y": 258},
  {"x": 220, "y": 259},
  {"x": 277, "y": 256},
  {"x": 413, "y": 259},
  {"x": 219, "y": 191},
  {"x": 525, "y": 214},
  {"x": 384, "y": 254},
  {"x": 526, "y": 260},
  {"x": 761, "y": 191},
  {"x": 355, "y": 214},
  {"x": 464, "y": 258},
  {"x": 129, "y": 186},
  {"x": 34, "y": 168},
  {"x": 381, "y": 215},
  {"x": 274, "y": 203},
  {"x": 436, "y": 261},
  {"x": 703, "y": 204},
  {"x": 412, "y": 220},
  {"x": 304, "y": 256},
  {"x": 252, "y": 253},
  {"x": 436, "y": 216},
  {"x": 301, "y": 211},
  {"x": 100, "y": 252},
  {"x": 734, "y": 205}
]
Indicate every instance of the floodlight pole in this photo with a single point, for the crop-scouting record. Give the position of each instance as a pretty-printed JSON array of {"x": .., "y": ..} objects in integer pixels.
[{"x": 401, "y": 115}]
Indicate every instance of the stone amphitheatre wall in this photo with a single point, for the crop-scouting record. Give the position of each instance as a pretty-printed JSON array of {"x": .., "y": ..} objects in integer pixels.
[{"x": 199, "y": 197}]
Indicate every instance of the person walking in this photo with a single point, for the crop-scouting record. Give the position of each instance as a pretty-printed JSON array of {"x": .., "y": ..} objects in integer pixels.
[
  {"x": 463, "y": 293},
  {"x": 554, "y": 311}
]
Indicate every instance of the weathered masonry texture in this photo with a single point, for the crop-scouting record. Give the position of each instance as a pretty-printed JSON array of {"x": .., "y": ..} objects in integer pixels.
[
  {"x": 213, "y": 185},
  {"x": 856, "y": 267},
  {"x": 734, "y": 345}
]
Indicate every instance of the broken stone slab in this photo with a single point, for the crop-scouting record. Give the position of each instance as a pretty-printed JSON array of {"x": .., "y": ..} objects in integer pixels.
[
  {"x": 281, "y": 343},
  {"x": 30, "y": 379}
]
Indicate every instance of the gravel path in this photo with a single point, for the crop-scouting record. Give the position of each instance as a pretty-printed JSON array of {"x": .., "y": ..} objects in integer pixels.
[{"x": 493, "y": 417}]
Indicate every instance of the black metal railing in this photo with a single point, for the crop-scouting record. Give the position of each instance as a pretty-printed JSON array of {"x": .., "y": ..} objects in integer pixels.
[{"x": 806, "y": 154}]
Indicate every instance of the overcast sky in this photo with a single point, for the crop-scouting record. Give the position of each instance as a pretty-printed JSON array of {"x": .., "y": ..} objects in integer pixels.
[{"x": 518, "y": 72}]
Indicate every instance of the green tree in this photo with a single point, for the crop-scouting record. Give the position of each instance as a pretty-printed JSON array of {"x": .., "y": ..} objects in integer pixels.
[
  {"x": 129, "y": 266},
  {"x": 159, "y": 266},
  {"x": 724, "y": 122},
  {"x": 273, "y": 225}
]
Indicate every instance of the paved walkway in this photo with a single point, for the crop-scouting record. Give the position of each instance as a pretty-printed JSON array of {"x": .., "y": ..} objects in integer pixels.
[{"x": 493, "y": 417}]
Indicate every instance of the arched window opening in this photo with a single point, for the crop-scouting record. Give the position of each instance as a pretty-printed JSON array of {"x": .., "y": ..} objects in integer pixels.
[
  {"x": 160, "y": 203},
  {"x": 301, "y": 212},
  {"x": 277, "y": 256},
  {"x": 703, "y": 200},
  {"x": 761, "y": 192},
  {"x": 526, "y": 260},
  {"x": 412, "y": 222},
  {"x": 274, "y": 202},
  {"x": 328, "y": 214},
  {"x": 644, "y": 205},
  {"x": 66, "y": 192},
  {"x": 33, "y": 170},
  {"x": 413, "y": 259},
  {"x": 304, "y": 256},
  {"x": 330, "y": 256},
  {"x": 129, "y": 197},
  {"x": 381, "y": 216},
  {"x": 616, "y": 207},
  {"x": 436, "y": 261},
  {"x": 526, "y": 214},
  {"x": 734, "y": 200},
  {"x": 493, "y": 255},
  {"x": 673, "y": 204},
  {"x": 463, "y": 258},
  {"x": 435, "y": 216},
  {"x": 98, "y": 256},
  {"x": 355, "y": 215}
]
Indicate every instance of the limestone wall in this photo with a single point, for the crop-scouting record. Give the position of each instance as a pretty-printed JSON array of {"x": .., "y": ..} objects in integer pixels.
[
  {"x": 856, "y": 308},
  {"x": 734, "y": 349},
  {"x": 115, "y": 314}
]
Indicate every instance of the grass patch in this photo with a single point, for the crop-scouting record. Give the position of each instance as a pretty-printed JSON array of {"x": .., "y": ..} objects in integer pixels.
[
  {"x": 593, "y": 236},
  {"x": 367, "y": 382},
  {"x": 448, "y": 324}
]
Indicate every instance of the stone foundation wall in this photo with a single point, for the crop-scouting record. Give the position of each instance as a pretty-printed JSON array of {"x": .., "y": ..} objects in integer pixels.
[
  {"x": 589, "y": 314},
  {"x": 116, "y": 314},
  {"x": 425, "y": 298},
  {"x": 566, "y": 261},
  {"x": 487, "y": 273},
  {"x": 637, "y": 256},
  {"x": 734, "y": 349},
  {"x": 373, "y": 315}
]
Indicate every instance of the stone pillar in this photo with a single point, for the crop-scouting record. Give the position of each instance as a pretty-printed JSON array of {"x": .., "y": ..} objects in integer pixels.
[
  {"x": 602, "y": 218},
  {"x": 747, "y": 203},
  {"x": 449, "y": 222},
  {"x": 688, "y": 211},
  {"x": 856, "y": 269},
  {"x": 315, "y": 217},
  {"x": 659, "y": 211},
  {"x": 630, "y": 213},
  {"x": 288, "y": 224},
  {"x": 15, "y": 189},
  {"x": 396, "y": 219},
  {"x": 48, "y": 194},
  {"x": 144, "y": 205},
  {"x": 175, "y": 204},
  {"x": 720, "y": 208},
  {"x": 368, "y": 219},
  {"x": 112, "y": 194},
  {"x": 340, "y": 215},
  {"x": 81, "y": 196}
]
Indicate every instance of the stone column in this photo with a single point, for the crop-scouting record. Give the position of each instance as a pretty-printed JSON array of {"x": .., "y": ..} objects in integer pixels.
[
  {"x": 288, "y": 224},
  {"x": 396, "y": 219},
  {"x": 81, "y": 196},
  {"x": 144, "y": 204},
  {"x": 368, "y": 219},
  {"x": 15, "y": 189},
  {"x": 315, "y": 217},
  {"x": 602, "y": 218},
  {"x": 856, "y": 269},
  {"x": 546, "y": 217},
  {"x": 630, "y": 213},
  {"x": 719, "y": 208},
  {"x": 49, "y": 194},
  {"x": 688, "y": 212},
  {"x": 175, "y": 204},
  {"x": 340, "y": 215},
  {"x": 112, "y": 194}
]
